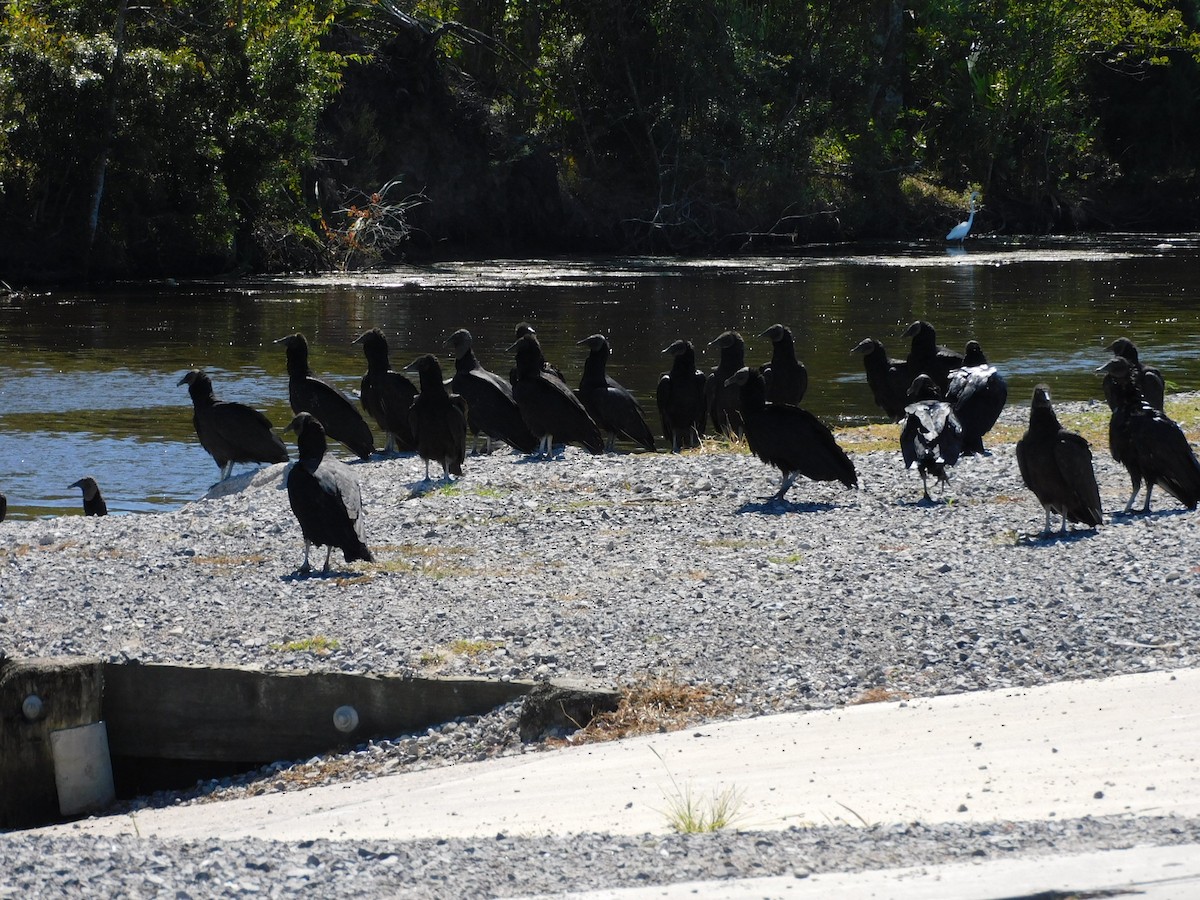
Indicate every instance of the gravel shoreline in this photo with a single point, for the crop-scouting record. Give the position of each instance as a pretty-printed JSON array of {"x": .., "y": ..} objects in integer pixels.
[{"x": 608, "y": 569}]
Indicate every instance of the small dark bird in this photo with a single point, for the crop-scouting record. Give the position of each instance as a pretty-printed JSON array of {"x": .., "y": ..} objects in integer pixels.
[
  {"x": 889, "y": 379},
  {"x": 613, "y": 408},
  {"x": 978, "y": 394},
  {"x": 786, "y": 376},
  {"x": 550, "y": 408},
  {"x": 337, "y": 414},
  {"x": 93, "y": 502},
  {"x": 386, "y": 395},
  {"x": 681, "y": 400},
  {"x": 1056, "y": 465},
  {"x": 325, "y": 497},
  {"x": 522, "y": 329},
  {"x": 1148, "y": 443},
  {"x": 230, "y": 432},
  {"x": 3, "y": 507},
  {"x": 491, "y": 409},
  {"x": 1150, "y": 379},
  {"x": 932, "y": 437},
  {"x": 928, "y": 358},
  {"x": 724, "y": 400},
  {"x": 438, "y": 419},
  {"x": 790, "y": 438}
]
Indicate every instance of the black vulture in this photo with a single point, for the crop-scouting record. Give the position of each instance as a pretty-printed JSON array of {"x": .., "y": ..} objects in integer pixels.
[
  {"x": 491, "y": 409},
  {"x": 522, "y": 329},
  {"x": 337, "y": 414},
  {"x": 681, "y": 402},
  {"x": 723, "y": 399},
  {"x": 325, "y": 497},
  {"x": 1056, "y": 465},
  {"x": 889, "y": 379},
  {"x": 1148, "y": 443},
  {"x": 230, "y": 432},
  {"x": 438, "y": 419},
  {"x": 611, "y": 406},
  {"x": 786, "y": 377},
  {"x": 3, "y": 507},
  {"x": 790, "y": 438},
  {"x": 550, "y": 408},
  {"x": 93, "y": 502},
  {"x": 386, "y": 395},
  {"x": 1150, "y": 379},
  {"x": 926, "y": 357},
  {"x": 932, "y": 437},
  {"x": 978, "y": 394}
]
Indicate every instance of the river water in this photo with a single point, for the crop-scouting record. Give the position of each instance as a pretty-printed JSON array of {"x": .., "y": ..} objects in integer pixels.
[{"x": 88, "y": 379}]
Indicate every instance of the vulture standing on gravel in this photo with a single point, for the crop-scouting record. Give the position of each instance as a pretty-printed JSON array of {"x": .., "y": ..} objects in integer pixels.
[
  {"x": 1148, "y": 443},
  {"x": 932, "y": 437},
  {"x": 522, "y": 329},
  {"x": 324, "y": 497},
  {"x": 680, "y": 396},
  {"x": 724, "y": 400},
  {"x": 331, "y": 407},
  {"x": 613, "y": 408},
  {"x": 438, "y": 419},
  {"x": 978, "y": 394},
  {"x": 550, "y": 408},
  {"x": 1150, "y": 379},
  {"x": 790, "y": 438},
  {"x": 386, "y": 395},
  {"x": 491, "y": 409},
  {"x": 786, "y": 376},
  {"x": 93, "y": 502},
  {"x": 3, "y": 507},
  {"x": 1056, "y": 465},
  {"x": 230, "y": 432},
  {"x": 889, "y": 379},
  {"x": 926, "y": 357}
]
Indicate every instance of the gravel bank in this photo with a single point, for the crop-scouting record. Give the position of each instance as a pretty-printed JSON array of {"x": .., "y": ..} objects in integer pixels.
[{"x": 611, "y": 569}]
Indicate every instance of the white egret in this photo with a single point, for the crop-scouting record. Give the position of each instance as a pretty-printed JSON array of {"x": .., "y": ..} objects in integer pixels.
[{"x": 962, "y": 229}]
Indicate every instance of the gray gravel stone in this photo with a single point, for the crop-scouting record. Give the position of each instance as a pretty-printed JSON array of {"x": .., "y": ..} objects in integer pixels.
[{"x": 615, "y": 568}]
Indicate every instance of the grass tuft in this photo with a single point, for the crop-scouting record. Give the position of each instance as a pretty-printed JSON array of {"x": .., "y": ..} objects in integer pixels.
[
  {"x": 688, "y": 814},
  {"x": 464, "y": 647},
  {"x": 318, "y": 645}
]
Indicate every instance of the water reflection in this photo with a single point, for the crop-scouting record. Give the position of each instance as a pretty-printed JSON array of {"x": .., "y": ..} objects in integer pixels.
[{"x": 88, "y": 380}]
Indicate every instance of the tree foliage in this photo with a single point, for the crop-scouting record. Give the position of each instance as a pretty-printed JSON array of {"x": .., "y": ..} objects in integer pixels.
[
  {"x": 177, "y": 135},
  {"x": 214, "y": 105}
]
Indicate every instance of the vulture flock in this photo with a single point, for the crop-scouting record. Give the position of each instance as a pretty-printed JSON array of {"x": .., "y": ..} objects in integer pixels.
[{"x": 945, "y": 404}]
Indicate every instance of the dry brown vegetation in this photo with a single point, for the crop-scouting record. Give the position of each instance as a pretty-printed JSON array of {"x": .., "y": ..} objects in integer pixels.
[{"x": 649, "y": 707}]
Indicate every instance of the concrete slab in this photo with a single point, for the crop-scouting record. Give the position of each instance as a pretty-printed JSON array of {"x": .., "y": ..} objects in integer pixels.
[
  {"x": 1150, "y": 873},
  {"x": 1125, "y": 745}
]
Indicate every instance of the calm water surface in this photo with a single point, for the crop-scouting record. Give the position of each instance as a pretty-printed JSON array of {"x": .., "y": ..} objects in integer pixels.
[{"x": 88, "y": 380}]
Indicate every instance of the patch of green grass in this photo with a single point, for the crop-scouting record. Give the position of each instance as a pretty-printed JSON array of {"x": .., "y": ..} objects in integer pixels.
[
  {"x": 317, "y": 644},
  {"x": 725, "y": 543},
  {"x": 421, "y": 559},
  {"x": 464, "y": 647},
  {"x": 688, "y": 814},
  {"x": 790, "y": 560},
  {"x": 489, "y": 493}
]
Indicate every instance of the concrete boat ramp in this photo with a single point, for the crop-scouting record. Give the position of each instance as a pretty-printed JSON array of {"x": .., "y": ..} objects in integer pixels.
[{"x": 1127, "y": 745}]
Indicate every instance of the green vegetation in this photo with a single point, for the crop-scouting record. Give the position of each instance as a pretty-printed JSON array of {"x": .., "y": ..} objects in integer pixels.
[
  {"x": 210, "y": 135},
  {"x": 318, "y": 645}
]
